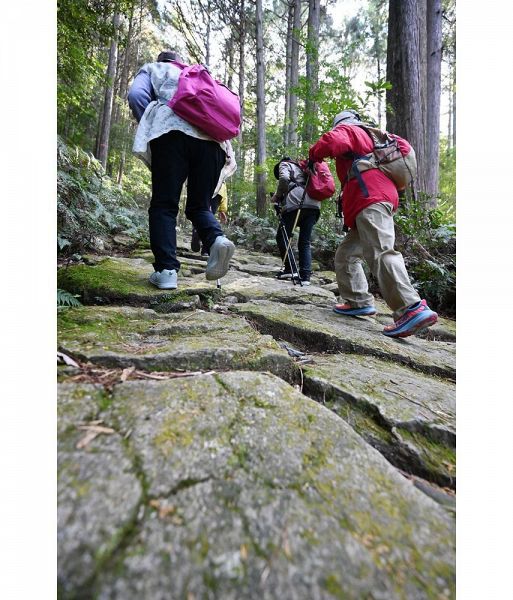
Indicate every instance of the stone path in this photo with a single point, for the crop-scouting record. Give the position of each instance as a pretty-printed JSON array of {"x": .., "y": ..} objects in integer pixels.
[{"x": 247, "y": 442}]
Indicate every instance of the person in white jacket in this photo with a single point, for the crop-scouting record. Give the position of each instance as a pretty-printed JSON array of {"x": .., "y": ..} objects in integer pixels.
[{"x": 175, "y": 150}]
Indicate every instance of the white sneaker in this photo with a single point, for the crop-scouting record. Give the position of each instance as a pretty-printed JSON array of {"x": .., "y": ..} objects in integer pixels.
[
  {"x": 165, "y": 279},
  {"x": 218, "y": 262},
  {"x": 305, "y": 283}
]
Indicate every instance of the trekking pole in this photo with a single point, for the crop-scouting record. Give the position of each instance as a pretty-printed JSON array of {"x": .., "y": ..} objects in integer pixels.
[
  {"x": 295, "y": 223},
  {"x": 218, "y": 283},
  {"x": 291, "y": 257}
]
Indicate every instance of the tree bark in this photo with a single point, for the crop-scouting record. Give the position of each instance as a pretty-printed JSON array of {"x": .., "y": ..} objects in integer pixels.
[
  {"x": 312, "y": 72},
  {"x": 404, "y": 100},
  {"x": 294, "y": 74},
  {"x": 103, "y": 147},
  {"x": 288, "y": 61},
  {"x": 242, "y": 47},
  {"x": 434, "y": 87},
  {"x": 260, "y": 91}
]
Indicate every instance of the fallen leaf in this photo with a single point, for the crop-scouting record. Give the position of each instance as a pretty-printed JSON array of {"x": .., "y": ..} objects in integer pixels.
[
  {"x": 97, "y": 428},
  {"x": 243, "y": 552},
  {"x": 92, "y": 431},
  {"x": 126, "y": 372}
]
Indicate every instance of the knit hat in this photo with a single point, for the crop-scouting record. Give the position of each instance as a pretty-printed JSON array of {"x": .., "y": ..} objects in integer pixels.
[{"x": 347, "y": 117}]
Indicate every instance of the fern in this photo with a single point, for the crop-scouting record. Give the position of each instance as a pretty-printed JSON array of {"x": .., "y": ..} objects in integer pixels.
[{"x": 64, "y": 298}]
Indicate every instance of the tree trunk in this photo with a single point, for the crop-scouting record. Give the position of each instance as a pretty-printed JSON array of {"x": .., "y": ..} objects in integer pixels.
[
  {"x": 449, "y": 119},
  {"x": 404, "y": 116},
  {"x": 242, "y": 46},
  {"x": 434, "y": 86},
  {"x": 454, "y": 103},
  {"x": 294, "y": 74},
  {"x": 207, "y": 44},
  {"x": 312, "y": 72},
  {"x": 103, "y": 147},
  {"x": 288, "y": 61},
  {"x": 260, "y": 92}
]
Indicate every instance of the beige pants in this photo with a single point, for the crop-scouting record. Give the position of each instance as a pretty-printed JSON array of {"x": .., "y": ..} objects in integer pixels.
[{"x": 373, "y": 240}]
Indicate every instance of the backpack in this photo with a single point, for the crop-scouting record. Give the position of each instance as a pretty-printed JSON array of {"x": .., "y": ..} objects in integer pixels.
[
  {"x": 321, "y": 184},
  {"x": 387, "y": 157},
  {"x": 206, "y": 103}
]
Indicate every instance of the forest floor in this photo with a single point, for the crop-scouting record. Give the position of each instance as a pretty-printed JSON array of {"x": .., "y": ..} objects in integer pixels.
[{"x": 247, "y": 442}]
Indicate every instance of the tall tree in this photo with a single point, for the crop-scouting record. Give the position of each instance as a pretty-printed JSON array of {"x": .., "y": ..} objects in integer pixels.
[
  {"x": 294, "y": 74},
  {"x": 404, "y": 99},
  {"x": 260, "y": 94},
  {"x": 312, "y": 71},
  {"x": 288, "y": 61},
  {"x": 433, "y": 85},
  {"x": 103, "y": 142}
]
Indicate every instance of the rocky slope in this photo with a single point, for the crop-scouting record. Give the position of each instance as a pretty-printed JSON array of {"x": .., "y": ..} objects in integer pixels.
[{"x": 246, "y": 442}]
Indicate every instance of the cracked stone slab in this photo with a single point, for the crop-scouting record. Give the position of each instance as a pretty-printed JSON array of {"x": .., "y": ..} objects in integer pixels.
[
  {"x": 98, "y": 492},
  {"x": 409, "y": 417},
  {"x": 321, "y": 330},
  {"x": 257, "y": 288},
  {"x": 191, "y": 341},
  {"x": 256, "y": 491},
  {"x": 78, "y": 403}
]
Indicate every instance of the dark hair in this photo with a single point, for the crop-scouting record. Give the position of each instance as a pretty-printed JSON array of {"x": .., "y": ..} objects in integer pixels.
[
  {"x": 277, "y": 166},
  {"x": 168, "y": 56}
]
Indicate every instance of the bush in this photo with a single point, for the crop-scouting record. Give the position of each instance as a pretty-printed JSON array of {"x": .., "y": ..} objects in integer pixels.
[
  {"x": 90, "y": 207},
  {"x": 427, "y": 240}
]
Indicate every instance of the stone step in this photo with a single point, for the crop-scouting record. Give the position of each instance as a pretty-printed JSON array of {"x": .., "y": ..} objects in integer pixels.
[
  {"x": 409, "y": 417},
  {"x": 319, "y": 329},
  {"x": 198, "y": 340},
  {"x": 236, "y": 485}
]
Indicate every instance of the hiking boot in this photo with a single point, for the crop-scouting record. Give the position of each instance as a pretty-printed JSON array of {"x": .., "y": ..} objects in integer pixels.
[
  {"x": 195, "y": 241},
  {"x": 165, "y": 279},
  {"x": 218, "y": 262},
  {"x": 418, "y": 316},
  {"x": 347, "y": 309}
]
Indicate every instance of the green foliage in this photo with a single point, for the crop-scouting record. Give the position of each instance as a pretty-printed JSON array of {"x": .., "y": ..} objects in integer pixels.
[
  {"x": 64, "y": 299},
  {"x": 89, "y": 205},
  {"x": 447, "y": 199},
  {"x": 428, "y": 243}
]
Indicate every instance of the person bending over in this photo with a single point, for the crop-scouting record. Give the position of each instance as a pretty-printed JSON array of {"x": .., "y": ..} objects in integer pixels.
[{"x": 175, "y": 150}]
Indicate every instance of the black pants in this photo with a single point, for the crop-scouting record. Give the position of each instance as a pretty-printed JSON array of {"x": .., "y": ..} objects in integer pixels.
[
  {"x": 308, "y": 217},
  {"x": 176, "y": 157}
]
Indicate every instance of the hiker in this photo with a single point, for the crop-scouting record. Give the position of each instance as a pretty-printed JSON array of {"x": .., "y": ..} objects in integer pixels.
[
  {"x": 219, "y": 205},
  {"x": 289, "y": 197},
  {"x": 368, "y": 208},
  {"x": 175, "y": 150}
]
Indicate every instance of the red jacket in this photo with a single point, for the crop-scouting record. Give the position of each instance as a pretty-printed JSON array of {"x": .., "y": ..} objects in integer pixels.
[{"x": 351, "y": 138}]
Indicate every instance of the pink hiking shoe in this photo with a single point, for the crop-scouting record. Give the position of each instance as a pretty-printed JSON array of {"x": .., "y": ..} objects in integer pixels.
[{"x": 415, "y": 318}]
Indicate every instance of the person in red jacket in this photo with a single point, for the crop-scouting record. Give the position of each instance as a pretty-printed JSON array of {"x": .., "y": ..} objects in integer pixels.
[{"x": 368, "y": 208}]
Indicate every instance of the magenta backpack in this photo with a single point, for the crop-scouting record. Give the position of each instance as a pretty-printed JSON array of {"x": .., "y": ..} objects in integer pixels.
[
  {"x": 205, "y": 103},
  {"x": 321, "y": 184}
]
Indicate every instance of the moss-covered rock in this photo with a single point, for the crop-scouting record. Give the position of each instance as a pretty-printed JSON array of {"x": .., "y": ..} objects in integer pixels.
[
  {"x": 387, "y": 403},
  {"x": 122, "y": 337},
  {"x": 253, "y": 490},
  {"x": 320, "y": 329},
  {"x": 257, "y": 288},
  {"x": 117, "y": 280},
  {"x": 98, "y": 492}
]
